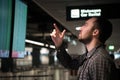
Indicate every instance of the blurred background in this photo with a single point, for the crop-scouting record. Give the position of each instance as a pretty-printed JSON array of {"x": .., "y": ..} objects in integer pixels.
[{"x": 27, "y": 51}]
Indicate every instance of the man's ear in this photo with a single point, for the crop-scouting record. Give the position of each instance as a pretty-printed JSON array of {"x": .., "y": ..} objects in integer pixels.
[{"x": 95, "y": 32}]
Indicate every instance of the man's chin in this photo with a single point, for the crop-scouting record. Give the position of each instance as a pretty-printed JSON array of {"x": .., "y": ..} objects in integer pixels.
[{"x": 81, "y": 40}]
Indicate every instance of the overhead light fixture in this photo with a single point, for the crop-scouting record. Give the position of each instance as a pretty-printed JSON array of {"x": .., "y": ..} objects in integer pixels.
[
  {"x": 52, "y": 46},
  {"x": 39, "y": 43},
  {"x": 34, "y": 42},
  {"x": 77, "y": 28}
]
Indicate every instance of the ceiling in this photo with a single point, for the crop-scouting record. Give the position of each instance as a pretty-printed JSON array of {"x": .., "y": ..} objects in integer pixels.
[
  {"x": 40, "y": 25},
  {"x": 43, "y": 13}
]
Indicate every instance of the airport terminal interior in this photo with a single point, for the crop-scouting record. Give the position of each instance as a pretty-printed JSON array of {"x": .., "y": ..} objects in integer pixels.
[{"x": 27, "y": 51}]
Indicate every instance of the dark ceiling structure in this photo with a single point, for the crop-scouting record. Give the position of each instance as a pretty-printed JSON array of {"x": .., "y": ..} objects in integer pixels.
[{"x": 40, "y": 24}]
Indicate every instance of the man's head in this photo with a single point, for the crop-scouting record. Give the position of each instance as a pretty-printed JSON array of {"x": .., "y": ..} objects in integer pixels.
[
  {"x": 105, "y": 27},
  {"x": 97, "y": 27}
]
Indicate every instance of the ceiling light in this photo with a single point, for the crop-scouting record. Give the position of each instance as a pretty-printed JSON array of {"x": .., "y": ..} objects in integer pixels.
[
  {"x": 77, "y": 28},
  {"x": 34, "y": 42},
  {"x": 39, "y": 43}
]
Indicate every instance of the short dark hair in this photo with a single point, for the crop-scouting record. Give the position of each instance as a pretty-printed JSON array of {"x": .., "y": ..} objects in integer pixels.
[{"x": 105, "y": 27}]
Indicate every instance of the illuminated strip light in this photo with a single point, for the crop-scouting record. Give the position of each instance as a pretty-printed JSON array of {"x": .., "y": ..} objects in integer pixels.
[
  {"x": 39, "y": 43},
  {"x": 34, "y": 42},
  {"x": 52, "y": 46},
  {"x": 77, "y": 28}
]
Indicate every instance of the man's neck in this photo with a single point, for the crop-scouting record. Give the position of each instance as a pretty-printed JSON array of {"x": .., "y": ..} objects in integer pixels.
[{"x": 92, "y": 45}]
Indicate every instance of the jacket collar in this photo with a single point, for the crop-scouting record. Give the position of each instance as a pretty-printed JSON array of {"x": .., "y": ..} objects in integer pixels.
[{"x": 89, "y": 54}]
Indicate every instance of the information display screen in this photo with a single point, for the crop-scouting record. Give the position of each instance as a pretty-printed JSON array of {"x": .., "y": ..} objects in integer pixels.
[{"x": 109, "y": 11}]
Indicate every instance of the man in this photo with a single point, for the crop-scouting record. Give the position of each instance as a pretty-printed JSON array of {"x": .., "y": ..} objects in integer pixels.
[{"x": 95, "y": 64}]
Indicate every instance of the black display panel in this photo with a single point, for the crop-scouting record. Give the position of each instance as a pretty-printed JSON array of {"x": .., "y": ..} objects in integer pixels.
[{"x": 110, "y": 11}]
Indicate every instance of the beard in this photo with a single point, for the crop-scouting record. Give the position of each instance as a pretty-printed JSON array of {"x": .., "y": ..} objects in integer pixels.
[{"x": 86, "y": 40}]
